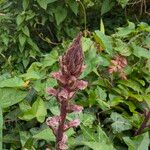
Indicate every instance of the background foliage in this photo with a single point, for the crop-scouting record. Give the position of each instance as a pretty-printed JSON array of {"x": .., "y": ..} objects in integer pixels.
[{"x": 34, "y": 33}]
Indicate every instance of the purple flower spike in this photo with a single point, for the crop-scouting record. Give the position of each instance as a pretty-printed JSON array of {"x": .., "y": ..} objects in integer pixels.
[{"x": 71, "y": 67}]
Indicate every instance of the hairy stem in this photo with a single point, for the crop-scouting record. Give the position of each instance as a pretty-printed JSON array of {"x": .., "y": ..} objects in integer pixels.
[{"x": 63, "y": 113}]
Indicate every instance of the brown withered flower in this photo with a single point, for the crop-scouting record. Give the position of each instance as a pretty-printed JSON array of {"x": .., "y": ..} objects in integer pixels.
[
  {"x": 71, "y": 67},
  {"x": 117, "y": 65}
]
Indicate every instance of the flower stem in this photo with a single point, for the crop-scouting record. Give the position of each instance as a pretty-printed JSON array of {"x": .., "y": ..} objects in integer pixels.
[{"x": 63, "y": 113}]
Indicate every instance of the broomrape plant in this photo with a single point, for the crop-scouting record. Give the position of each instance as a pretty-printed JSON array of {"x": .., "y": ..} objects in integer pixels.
[{"x": 71, "y": 67}]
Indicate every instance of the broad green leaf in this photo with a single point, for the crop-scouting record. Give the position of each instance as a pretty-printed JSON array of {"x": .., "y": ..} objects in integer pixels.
[
  {"x": 60, "y": 14},
  {"x": 87, "y": 119},
  {"x": 132, "y": 84},
  {"x": 37, "y": 111},
  {"x": 120, "y": 123},
  {"x": 104, "y": 41},
  {"x": 73, "y": 6},
  {"x": 125, "y": 31},
  {"x": 12, "y": 82},
  {"x": 45, "y": 134},
  {"x": 25, "y": 4},
  {"x": 101, "y": 93},
  {"x": 106, "y": 6},
  {"x": 86, "y": 44},
  {"x": 24, "y": 136},
  {"x": 103, "y": 104},
  {"x": 50, "y": 59},
  {"x": 1, "y": 127},
  {"x": 34, "y": 72},
  {"x": 98, "y": 140},
  {"x": 140, "y": 52},
  {"x": 98, "y": 146},
  {"x": 140, "y": 142},
  {"x": 20, "y": 18},
  {"x": 122, "y": 48},
  {"x": 11, "y": 96},
  {"x": 44, "y": 3}
]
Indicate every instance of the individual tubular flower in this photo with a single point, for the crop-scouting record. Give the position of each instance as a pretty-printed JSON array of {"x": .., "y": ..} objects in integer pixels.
[
  {"x": 71, "y": 67},
  {"x": 117, "y": 65},
  {"x": 71, "y": 124}
]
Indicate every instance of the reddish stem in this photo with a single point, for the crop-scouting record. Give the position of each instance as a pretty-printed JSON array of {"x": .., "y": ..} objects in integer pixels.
[{"x": 60, "y": 131}]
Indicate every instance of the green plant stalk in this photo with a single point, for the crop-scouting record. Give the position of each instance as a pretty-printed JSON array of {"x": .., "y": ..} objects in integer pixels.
[{"x": 84, "y": 11}]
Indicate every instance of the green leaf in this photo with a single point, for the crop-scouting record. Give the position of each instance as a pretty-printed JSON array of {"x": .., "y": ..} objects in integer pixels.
[
  {"x": 25, "y": 4},
  {"x": 132, "y": 84},
  {"x": 102, "y": 27},
  {"x": 99, "y": 141},
  {"x": 86, "y": 44},
  {"x": 50, "y": 59},
  {"x": 123, "y": 3},
  {"x": 22, "y": 39},
  {"x": 125, "y": 31},
  {"x": 140, "y": 52},
  {"x": 34, "y": 72},
  {"x": 38, "y": 111},
  {"x": 103, "y": 40},
  {"x": 73, "y": 6},
  {"x": 60, "y": 14},
  {"x": 26, "y": 31},
  {"x": 147, "y": 99},
  {"x": 140, "y": 142},
  {"x": 106, "y": 6},
  {"x": 10, "y": 96},
  {"x": 1, "y": 127},
  {"x": 45, "y": 134},
  {"x": 24, "y": 136},
  {"x": 120, "y": 123},
  {"x": 12, "y": 82},
  {"x": 44, "y": 3},
  {"x": 33, "y": 45},
  {"x": 122, "y": 48},
  {"x": 87, "y": 119},
  {"x": 20, "y": 18}
]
